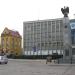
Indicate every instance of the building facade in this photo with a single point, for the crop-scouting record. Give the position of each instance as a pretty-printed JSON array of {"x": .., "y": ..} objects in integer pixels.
[
  {"x": 72, "y": 24},
  {"x": 43, "y": 37},
  {"x": 11, "y": 42}
]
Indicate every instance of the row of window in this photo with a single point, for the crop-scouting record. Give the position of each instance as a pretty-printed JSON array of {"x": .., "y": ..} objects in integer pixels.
[
  {"x": 38, "y": 44},
  {"x": 43, "y": 34},
  {"x": 44, "y": 23},
  {"x": 37, "y": 49},
  {"x": 43, "y": 38},
  {"x": 8, "y": 43},
  {"x": 44, "y": 30},
  {"x": 43, "y": 26}
]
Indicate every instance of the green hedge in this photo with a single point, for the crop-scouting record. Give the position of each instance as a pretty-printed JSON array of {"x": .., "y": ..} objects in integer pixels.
[{"x": 35, "y": 56}]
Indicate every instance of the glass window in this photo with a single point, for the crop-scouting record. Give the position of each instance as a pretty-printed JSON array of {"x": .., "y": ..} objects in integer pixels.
[
  {"x": 13, "y": 42},
  {"x": 53, "y": 28},
  {"x": 43, "y": 35},
  {"x": 73, "y": 51},
  {"x": 38, "y": 39},
  {"x": 2, "y": 42},
  {"x": 57, "y": 28},
  {"x": 49, "y": 28},
  {"x": 53, "y": 22},
  {"x": 53, "y": 38},
  {"x": 49, "y": 23},
  {"x": 67, "y": 52},
  {"x": 7, "y": 43}
]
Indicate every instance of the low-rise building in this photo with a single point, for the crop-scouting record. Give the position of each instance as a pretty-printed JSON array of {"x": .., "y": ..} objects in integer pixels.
[{"x": 11, "y": 42}]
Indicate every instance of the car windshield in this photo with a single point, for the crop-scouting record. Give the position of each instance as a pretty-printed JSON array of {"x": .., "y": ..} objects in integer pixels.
[{"x": 2, "y": 55}]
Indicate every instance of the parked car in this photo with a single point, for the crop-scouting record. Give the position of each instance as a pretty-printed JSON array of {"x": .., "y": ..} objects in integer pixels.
[{"x": 3, "y": 59}]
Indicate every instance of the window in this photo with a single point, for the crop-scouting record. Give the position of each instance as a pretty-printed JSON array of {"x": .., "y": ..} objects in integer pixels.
[
  {"x": 2, "y": 42},
  {"x": 19, "y": 43},
  {"x": 7, "y": 43},
  {"x": 12, "y": 42},
  {"x": 16, "y": 53},
  {"x": 65, "y": 26},
  {"x": 53, "y": 22},
  {"x": 53, "y": 28},
  {"x": 67, "y": 52},
  {"x": 73, "y": 51}
]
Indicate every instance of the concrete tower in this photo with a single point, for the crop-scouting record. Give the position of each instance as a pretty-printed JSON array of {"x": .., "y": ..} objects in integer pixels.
[{"x": 67, "y": 56}]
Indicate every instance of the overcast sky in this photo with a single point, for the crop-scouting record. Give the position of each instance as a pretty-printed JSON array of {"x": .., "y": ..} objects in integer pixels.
[{"x": 14, "y": 12}]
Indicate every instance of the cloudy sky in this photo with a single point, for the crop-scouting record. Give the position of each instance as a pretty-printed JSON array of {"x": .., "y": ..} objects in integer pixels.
[{"x": 14, "y": 12}]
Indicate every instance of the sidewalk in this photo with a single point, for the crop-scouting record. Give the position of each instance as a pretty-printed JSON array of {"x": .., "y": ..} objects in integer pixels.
[{"x": 41, "y": 62}]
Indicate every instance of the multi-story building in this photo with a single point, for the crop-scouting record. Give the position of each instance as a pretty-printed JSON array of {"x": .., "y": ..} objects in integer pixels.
[
  {"x": 0, "y": 43},
  {"x": 72, "y": 24},
  {"x": 11, "y": 42},
  {"x": 43, "y": 37}
]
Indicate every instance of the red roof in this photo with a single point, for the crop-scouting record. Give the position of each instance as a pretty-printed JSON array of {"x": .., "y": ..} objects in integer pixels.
[{"x": 13, "y": 33}]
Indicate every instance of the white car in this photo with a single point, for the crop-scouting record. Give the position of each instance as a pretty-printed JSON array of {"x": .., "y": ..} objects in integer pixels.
[{"x": 3, "y": 59}]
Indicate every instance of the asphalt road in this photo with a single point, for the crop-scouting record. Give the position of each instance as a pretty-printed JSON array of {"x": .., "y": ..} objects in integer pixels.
[{"x": 35, "y": 67}]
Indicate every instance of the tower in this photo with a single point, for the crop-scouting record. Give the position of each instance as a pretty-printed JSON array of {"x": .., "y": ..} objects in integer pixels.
[{"x": 67, "y": 54}]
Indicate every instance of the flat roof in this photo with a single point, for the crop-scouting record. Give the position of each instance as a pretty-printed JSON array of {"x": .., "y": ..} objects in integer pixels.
[{"x": 43, "y": 20}]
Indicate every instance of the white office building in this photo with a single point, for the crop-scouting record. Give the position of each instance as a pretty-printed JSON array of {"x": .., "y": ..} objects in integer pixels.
[{"x": 43, "y": 37}]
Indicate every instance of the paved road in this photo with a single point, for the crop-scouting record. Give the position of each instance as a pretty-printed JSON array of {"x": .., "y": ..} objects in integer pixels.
[{"x": 35, "y": 67}]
